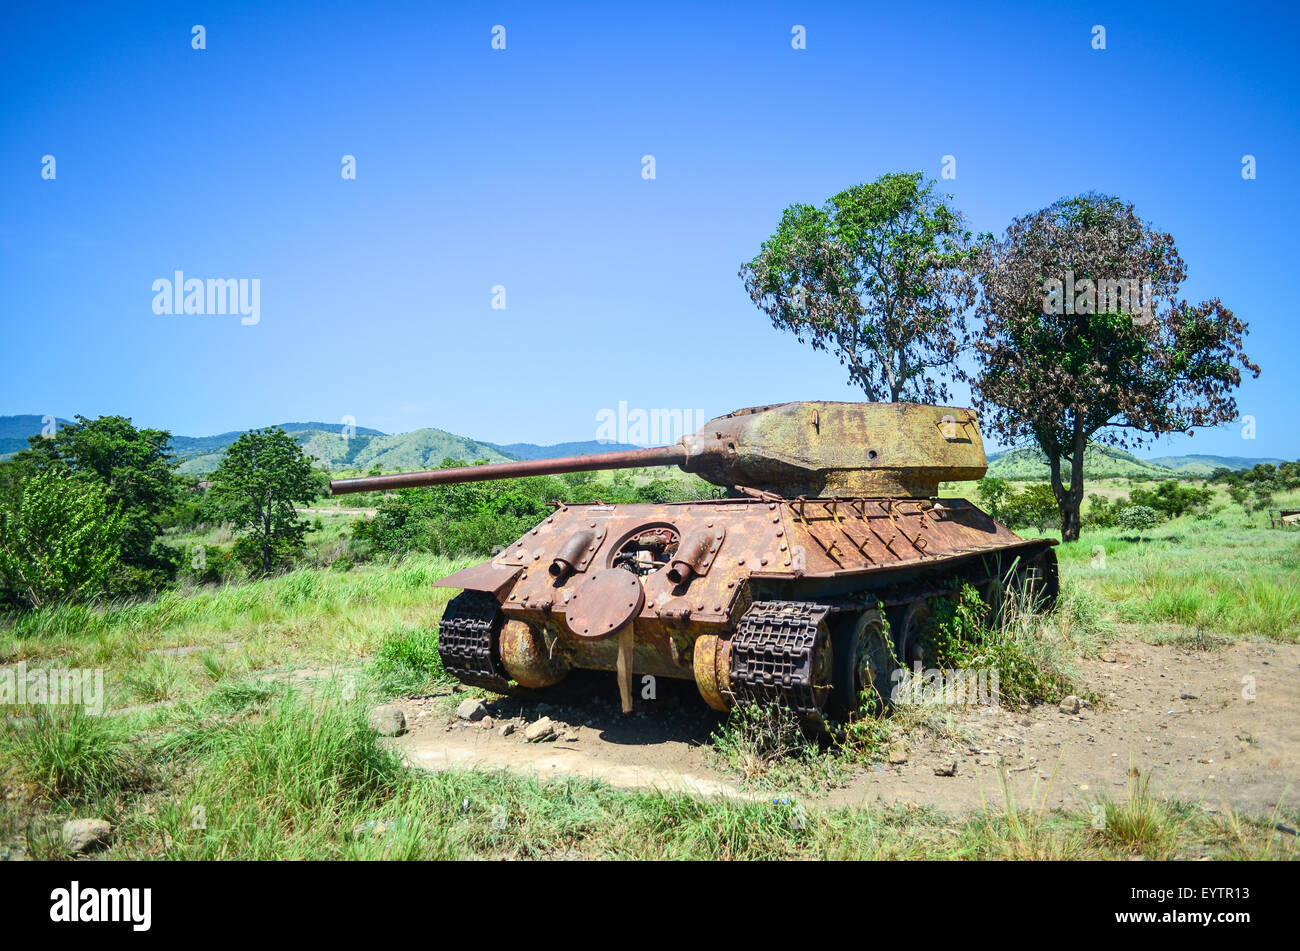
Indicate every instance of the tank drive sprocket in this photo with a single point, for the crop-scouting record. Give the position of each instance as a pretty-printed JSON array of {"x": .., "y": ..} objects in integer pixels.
[
  {"x": 780, "y": 654},
  {"x": 467, "y": 641}
]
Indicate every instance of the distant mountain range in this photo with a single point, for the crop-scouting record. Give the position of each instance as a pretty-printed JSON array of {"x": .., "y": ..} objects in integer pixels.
[
  {"x": 529, "y": 450},
  {"x": 427, "y": 448},
  {"x": 361, "y": 449},
  {"x": 14, "y": 431},
  {"x": 1107, "y": 462},
  {"x": 1197, "y": 464}
]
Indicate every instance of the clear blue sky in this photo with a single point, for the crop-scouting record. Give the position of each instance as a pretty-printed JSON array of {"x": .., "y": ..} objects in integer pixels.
[{"x": 522, "y": 168}]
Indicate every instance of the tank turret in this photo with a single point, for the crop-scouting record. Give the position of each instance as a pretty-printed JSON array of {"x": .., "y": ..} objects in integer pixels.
[{"x": 812, "y": 449}]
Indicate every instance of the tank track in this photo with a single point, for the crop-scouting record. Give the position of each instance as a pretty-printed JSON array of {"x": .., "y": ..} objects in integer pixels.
[
  {"x": 772, "y": 655},
  {"x": 467, "y": 641}
]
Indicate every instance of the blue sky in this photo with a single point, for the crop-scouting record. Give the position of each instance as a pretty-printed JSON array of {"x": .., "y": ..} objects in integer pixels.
[{"x": 522, "y": 168}]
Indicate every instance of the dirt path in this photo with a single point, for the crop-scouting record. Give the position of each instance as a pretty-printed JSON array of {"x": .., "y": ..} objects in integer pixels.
[{"x": 1220, "y": 728}]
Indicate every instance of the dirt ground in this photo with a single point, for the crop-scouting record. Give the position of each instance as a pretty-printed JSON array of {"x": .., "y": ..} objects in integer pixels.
[{"x": 1221, "y": 728}]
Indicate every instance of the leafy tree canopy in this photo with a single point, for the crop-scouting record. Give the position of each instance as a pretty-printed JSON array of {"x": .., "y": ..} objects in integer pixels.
[
  {"x": 263, "y": 475},
  {"x": 59, "y": 540},
  {"x": 1067, "y": 354},
  {"x": 134, "y": 468},
  {"x": 877, "y": 276}
]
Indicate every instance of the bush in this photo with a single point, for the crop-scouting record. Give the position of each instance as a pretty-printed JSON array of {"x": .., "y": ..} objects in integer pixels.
[
  {"x": 959, "y": 637},
  {"x": 1033, "y": 507},
  {"x": 1102, "y": 513},
  {"x": 1138, "y": 518},
  {"x": 58, "y": 541},
  {"x": 1171, "y": 499}
]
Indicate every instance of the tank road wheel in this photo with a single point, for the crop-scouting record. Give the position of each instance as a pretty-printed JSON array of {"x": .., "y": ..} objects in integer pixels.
[
  {"x": 530, "y": 660},
  {"x": 908, "y": 623},
  {"x": 864, "y": 665},
  {"x": 1043, "y": 580},
  {"x": 1035, "y": 583}
]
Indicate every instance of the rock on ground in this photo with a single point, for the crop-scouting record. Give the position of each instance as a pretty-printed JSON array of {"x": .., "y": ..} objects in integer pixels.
[
  {"x": 539, "y": 730},
  {"x": 388, "y": 720},
  {"x": 82, "y": 835},
  {"x": 471, "y": 709}
]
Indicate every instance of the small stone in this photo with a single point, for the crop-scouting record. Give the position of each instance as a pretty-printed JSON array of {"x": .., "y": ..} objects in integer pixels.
[
  {"x": 897, "y": 754},
  {"x": 1109, "y": 657},
  {"x": 371, "y": 827},
  {"x": 471, "y": 709},
  {"x": 946, "y": 769},
  {"x": 83, "y": 835},
  {"x": 1070, "y": 705},
  {"x": 539, "y": 730},
  {"x": 486, "y": 723},
  {"x": 572, "y": 733},
  {"x": 1187, "y": 696},
  {"x": 388, "y": 720},
  {"x": 506, "y": 728}
]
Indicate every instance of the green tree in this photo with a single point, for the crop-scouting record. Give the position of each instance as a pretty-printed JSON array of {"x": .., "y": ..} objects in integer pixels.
[
  {"x": 59, "y": 540},
  {"x": 262, "y": 476},
  {"x": 1032, "y": 507},
  {"x": 1085, "y": 338},
  {"x": 878, "y": 277},
  {"x": 134, "y": 468},
  {"x": 994, "y": 493}
]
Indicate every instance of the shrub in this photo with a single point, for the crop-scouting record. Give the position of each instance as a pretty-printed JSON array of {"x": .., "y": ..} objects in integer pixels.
[
  {"x": 58, "y": 541},
  {"x": 1138, "y": 518},
  {"x": 1171, "y": 499},
  {"x": 1032, "y": 507}
]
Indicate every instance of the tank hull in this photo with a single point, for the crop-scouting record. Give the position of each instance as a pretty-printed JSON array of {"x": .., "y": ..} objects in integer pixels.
[{"x": 635, "y": 589}]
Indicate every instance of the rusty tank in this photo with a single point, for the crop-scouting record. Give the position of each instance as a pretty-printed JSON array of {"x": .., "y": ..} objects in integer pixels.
[{"x": 810, "y": 586}]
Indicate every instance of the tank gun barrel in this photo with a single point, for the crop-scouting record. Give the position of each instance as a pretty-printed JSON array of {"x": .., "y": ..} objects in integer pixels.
[{"x": 627, "y": 459}]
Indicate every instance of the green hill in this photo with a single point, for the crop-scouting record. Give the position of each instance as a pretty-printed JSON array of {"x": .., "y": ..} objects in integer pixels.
[
  {"x": 1099, "y": 462},
  {"x": 14, "y": 431},
  {"x": 1198, "y": 464},
  {"x": 368, "y": 449}
]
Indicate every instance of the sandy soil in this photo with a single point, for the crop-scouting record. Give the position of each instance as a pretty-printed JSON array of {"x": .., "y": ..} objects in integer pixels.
[{"x": 1220, "y": 728}]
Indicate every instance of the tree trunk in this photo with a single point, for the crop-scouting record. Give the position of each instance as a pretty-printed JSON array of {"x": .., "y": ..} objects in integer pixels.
[{"x": 1069, "y": 500}]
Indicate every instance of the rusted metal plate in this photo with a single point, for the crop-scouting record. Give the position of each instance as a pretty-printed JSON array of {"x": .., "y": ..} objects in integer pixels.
[
  {"x": 603, "y": 603},
  {"x": 491, "y": 577}
]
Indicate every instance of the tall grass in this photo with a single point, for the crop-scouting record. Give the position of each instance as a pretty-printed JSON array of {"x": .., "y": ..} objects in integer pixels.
[{"x": 66, "y": 754}]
